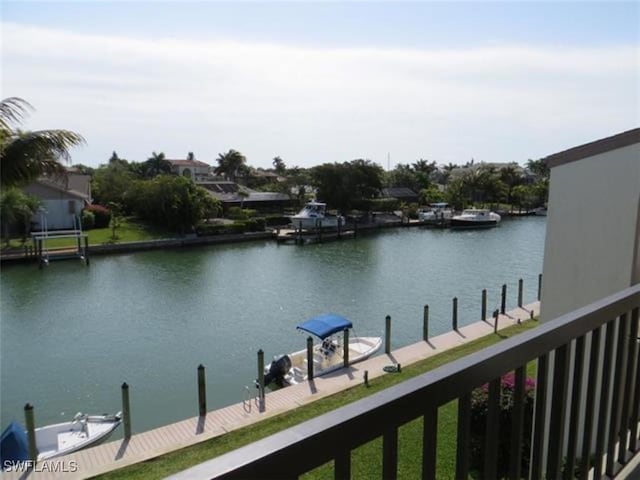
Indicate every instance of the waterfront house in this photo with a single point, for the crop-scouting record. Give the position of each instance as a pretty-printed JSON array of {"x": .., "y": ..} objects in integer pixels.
[
  {"x": 62, "y": 200},
  {"x": 402, "y": 194},
  {"x": 191, "y": 168},
  {"x": 587, "y": 407}
]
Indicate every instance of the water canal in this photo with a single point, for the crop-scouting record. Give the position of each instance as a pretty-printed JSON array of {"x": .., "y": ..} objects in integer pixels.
[{"x": 70, "y": 335}]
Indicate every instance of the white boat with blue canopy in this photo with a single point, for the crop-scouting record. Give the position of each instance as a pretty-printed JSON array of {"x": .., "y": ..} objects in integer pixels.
[{"x": 327, "y": 353}]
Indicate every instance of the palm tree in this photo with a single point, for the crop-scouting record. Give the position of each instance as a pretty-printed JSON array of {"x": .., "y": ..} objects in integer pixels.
[
  {"x": 24, "y": 156},
  {"x": 229, "y": 164},
  {"x": 157, "y": 164}
]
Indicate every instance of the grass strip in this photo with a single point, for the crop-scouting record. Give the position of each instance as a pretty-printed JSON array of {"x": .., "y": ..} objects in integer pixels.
[{"x": 366, "y": 460}]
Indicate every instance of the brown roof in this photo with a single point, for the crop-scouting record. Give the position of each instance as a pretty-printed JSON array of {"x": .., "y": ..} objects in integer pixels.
[
  {"x": 614, "y": 142},
  {"x": 188, "y": 163}
]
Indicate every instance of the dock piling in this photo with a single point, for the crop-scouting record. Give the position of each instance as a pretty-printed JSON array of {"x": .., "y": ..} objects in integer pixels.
[
  {"x": 387, "y": 334},
  {"x": 539, "y": 286},
  {"x": 503, "y": 303},
  {"x": 126, "y": 411},
  {"x": 86, "y": 251},
  {"x": 30, "y": 422},
  {"x": 309, "y": 358},
  {"x": 261, "y": 406},
  {"x": 366, "y": 378},
  {"x": 345, "y": 355},
  {"x": 202, "y": 392},
  {"x": 425, "y": 324},
  {"x": 455, "y": 314},
  {"x": 495, "y": 321},
  {"x": 520, "y": 285},
  {"x": 484, "y": 304}
]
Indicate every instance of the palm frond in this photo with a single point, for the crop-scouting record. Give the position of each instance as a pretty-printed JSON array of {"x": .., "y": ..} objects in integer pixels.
[{"x": 12, "y": 111}]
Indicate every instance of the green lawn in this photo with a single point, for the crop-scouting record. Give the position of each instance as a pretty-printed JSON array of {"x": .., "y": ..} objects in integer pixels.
[
  {"x": 129, "y": 231},
  {"x": 366, "y": 460}
]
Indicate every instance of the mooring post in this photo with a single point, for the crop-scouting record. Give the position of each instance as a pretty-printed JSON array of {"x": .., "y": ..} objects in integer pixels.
[
  {"x": 261, "y": 406},
  {"x": 495, "y": 321},
  {"x": 484, "y": 304},
  {"x": 202, "y": 392},
  {"x": 366, "y": 378},
  {"x": 309, "y": 358},
  {"x": 30, "y": 422},
  {"x": 339, "y": 227},
  {"x": 455, "y": 313},
  {"x": 86, "y": 250},
  {"x": 503, "y": 303},
  {"x": 387, "y": 334},
  {"x": 520, "y": 285},
  {"x": 126, "y": 411},
  {"x": 425, "y": 324},
  {"x": 345, "y": 342},
  {"x": 539, "y": 286}
]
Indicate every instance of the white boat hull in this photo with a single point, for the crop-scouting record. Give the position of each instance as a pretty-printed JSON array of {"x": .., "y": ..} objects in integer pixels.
[
  {"x": 310, "y": 223},
  {"x": 329, "y": 360},
  {"x": 63, "y": 438}
]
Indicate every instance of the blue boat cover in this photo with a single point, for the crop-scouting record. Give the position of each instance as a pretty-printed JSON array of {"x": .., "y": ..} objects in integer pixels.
[
  {"x": 325, "y": 324},
  {"x": 14, "y": 446}
]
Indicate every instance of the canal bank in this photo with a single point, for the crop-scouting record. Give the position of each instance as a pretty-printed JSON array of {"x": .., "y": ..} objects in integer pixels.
[{"x": 169, "y": 438}]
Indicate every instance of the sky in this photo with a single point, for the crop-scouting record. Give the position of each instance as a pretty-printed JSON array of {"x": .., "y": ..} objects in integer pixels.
[{"x": 331, "y": 81}]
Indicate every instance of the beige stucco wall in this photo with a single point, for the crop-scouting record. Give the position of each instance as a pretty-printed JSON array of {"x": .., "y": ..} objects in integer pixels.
[{"x": 592, "y": 246}]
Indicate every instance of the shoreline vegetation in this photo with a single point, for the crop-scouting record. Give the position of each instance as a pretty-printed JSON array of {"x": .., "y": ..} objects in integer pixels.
[{"x": 365, "y": 462}]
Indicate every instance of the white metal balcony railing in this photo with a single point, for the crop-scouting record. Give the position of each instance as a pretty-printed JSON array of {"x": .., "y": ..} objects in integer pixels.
[{"x": 585, "y": 421}]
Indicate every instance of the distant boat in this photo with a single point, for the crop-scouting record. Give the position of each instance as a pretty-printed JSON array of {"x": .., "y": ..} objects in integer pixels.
[
  {"x": 540, "y": 211},
  {"x": 314, "y": 215},
  {"x": 59, "y": 439},
  {"x": 475, "y": 218},
  {"x": 291, "y": 369},
  {"x": 437, "y": 212}
]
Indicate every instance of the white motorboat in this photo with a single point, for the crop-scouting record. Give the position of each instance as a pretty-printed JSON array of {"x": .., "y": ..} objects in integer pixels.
[
  {"x": 328, "y": 354},
  {"x": 475, "y": 218},
  {"x": 540, "y": 211},
  {"x": 437, "y": 212},
  {"x": 314, "y": 215},
  {"x": 59, "y": 439}
]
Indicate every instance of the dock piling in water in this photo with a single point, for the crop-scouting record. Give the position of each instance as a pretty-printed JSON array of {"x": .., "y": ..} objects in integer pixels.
[
  {"x": 425, "y": 324},
  {"x": 455, "y": 314},
  {"x": 346, "y": 348},
  {"x": 202, "y": 392},
  {"x": 309, "y": 358},
  {"x": 484, "y": 304},
  {"x": 520, "y": 285},
  {"x": 539, "y": 285},
  {"x": 261, "y": 406},
  {"x": 30, "y": 422},
  {"x": 495, "y": 321},
  {"x": 503, "y": 302},
  {"x": 387, "y": 334},
  {"x": 126, "y": 411}
]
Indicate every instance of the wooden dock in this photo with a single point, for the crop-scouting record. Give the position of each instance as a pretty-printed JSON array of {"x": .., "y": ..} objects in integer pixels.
[{"x": 159, "y": 441}]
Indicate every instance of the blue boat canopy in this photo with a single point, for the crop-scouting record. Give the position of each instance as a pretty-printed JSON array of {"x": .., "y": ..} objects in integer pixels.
[
  {"x": 14, "y": 446},
  {"x": 325, "y": 325}
]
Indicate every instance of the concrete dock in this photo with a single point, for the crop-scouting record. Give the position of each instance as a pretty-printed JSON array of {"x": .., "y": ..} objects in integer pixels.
[{"x": 162, "y": 440}]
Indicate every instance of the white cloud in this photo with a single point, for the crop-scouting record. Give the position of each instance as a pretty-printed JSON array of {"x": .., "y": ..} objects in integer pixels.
[{"x": 311, "y": 105}]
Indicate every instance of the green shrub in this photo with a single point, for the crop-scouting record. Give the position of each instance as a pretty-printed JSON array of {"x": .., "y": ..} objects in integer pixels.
[
  {"x": 479, "y": 412},
  {"x": 88, "y": 219},
  {"x": 102, "y": 215},
  {"x": 237, "y": 213},
  {"x": 255, "y": 224}
]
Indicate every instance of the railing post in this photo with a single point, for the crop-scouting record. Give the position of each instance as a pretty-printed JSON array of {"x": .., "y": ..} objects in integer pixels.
[
  {"x": 202, "y": 392},
  {"x": 455, "y": 313},
  {"x": 425, "y": 324},
  {"x": 309, "y": 358},
  {"x": 261, "y": 405},
  {"x": 345, "y": 342},
  {"x": 484, "y": 304},
  {"x": 503, "y": 303},
  {"x": 29, "y": 420},
  {"x": 387, "y": 334},
  {"x": 539, "y": 286},
  {"x": 126, "y": 411},
  {"x": 520, "y": 285}
]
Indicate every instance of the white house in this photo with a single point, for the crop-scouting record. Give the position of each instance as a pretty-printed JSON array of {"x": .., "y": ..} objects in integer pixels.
[
  {"x": 193, "y": 169},
  {"x": 62, "y": 200}
]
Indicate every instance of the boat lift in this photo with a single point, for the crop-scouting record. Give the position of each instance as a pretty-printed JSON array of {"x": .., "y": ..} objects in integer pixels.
[{"x": 44, "y": 255}]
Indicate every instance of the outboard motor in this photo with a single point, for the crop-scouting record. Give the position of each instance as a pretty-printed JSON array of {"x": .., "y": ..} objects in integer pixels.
[{"x": 278, "y": 369}]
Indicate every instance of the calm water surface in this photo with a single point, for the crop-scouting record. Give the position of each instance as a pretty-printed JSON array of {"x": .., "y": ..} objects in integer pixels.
[{"x": 70, "y": 335}]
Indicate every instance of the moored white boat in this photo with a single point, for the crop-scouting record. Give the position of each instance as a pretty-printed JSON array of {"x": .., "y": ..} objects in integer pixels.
[
  {"x": 328, "y": 354},
  {"x": 59, "y": 439},
  {"x": 475, "y": 218},
  {"x": 437, "y": 212},
  {"x": 314, "y": 215}
]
